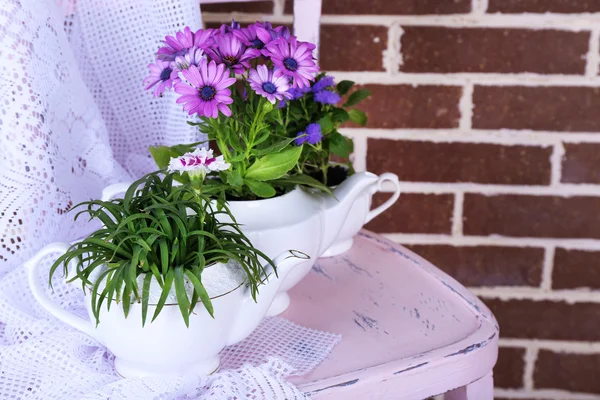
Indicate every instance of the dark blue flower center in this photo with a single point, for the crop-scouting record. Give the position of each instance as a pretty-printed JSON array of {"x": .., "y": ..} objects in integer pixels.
[
  {"x": 230, "y": 60},
  {"x": 207, "y": 93},
  {"x": 165, "y": 74},
  {"x": 269, "y": 87},
  {"x": 258, "y": 44},
  {"x": 290, "y": 64}
]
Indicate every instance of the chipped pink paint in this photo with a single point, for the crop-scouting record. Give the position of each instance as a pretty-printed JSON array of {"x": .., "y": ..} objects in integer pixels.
[{"x": 409, "y": 331}]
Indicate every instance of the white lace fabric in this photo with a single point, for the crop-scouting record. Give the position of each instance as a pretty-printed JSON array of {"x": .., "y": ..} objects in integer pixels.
[{"x": 74, "y": 117}]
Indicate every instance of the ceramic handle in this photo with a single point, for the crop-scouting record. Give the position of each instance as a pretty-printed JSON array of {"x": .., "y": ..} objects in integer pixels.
[
  {"x": 112, "y": 191},
  {"x": 378, "y": 187},
  {"x": 40, "y": 294}
]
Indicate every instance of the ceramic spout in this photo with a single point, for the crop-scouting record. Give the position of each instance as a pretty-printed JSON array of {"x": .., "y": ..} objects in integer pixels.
[
  {"x": 336, "y": 209},
  {"x": 251, "y": 312}
]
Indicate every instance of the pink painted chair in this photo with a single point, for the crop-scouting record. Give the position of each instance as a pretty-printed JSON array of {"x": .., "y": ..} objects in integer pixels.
[{"x": 409, "y": 331}]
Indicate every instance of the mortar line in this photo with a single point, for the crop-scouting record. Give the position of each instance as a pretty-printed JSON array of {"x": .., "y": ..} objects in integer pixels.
[
  {"x": 535, "y": 294},
  {"x": 593, "y": 55},
  {"x": 465, "y": 106},
  {"x": 457, "y": 214},
  {"x": 530, "y": 357},
  {"x": 479, "y": 7},
  {"x": 542, "y": 394},
  {"x": 527, "y": 79},
  {"x": 392, "y": 55},
  {"x": 495, "y": 241},
  {"x": 564, "y": 346},
  {"x": 278, "y": 8},
  {"x": 558, "y": 153},
  {"x": 547, "y": 268},
  {"x": 569, "y": 22}
]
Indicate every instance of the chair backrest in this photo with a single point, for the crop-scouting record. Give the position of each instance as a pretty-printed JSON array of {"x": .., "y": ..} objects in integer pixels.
[{"x": 307, "y": 18}]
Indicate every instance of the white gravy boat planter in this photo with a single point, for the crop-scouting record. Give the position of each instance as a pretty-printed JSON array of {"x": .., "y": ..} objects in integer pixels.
[
  {"x": 166, "y": 345},
  {"x": 361, "y": 214},
  {"x": 298, "y": 220}
]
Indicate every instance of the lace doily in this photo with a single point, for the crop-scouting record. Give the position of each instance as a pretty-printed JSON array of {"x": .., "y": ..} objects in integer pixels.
[{"x": 74, "y": 116}]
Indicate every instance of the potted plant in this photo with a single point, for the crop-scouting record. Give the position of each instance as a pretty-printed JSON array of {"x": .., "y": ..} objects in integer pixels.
[
  {"x": 236, "y": 82},
  {"x": 314, "y": 116},
  {"x": 167, "y": 284}
]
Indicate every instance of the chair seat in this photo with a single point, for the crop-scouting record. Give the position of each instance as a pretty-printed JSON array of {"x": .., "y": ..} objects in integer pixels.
[{"x": 409, "y": 331}]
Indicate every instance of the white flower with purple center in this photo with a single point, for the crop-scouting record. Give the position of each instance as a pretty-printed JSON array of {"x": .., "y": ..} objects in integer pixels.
[
  {"x": 198, "y": 163},
  {"x": 264, "y": 83}
]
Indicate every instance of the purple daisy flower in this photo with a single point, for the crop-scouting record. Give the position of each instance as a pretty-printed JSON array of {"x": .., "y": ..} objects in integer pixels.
[
  {"x": 327, "y": 97},
  {"x": 264, "y": 83},
  {"x": 182, "y": 42},
  {"x": 254, "y": 36},
  {"x": 313, "y": 135},
  {"x": 162, "y": 77},
  {"x": 231, "y": 51},
  {"x": 323, "y": 83},
  {"x": 191, "y": 57},
  {"x": 234, "y": 26},
  {"x": 293, "y": 59},
  {"x": 206, "y": 90}
]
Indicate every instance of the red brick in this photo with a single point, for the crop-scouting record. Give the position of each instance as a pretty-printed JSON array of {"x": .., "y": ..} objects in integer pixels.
[
  {"x": 576, "y": 269},
  {"x": 510, "y": 367},
  {"x": 532, "y": 216},
  {"x": 407, "y": 106},
  {"x": 572, "y": 109},
  {"x": 258, "y": 7},
  {"x": 414, "y": 213},
  {"x": 567, "y": 371},
  {"x": 543, "y": 6},
  {"x": 391, "y": 7},
  {"x": 552, "y": 320},
  {"x": 444, "y": 50},
  {"x": 487, "y": 265},
  {"x": 460, "y": 162},
  {"x": 581, "y": 163},
  {"x": 352, "y": 47}
]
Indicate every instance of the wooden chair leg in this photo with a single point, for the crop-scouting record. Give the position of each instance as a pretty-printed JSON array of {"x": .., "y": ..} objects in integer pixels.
[{"x": 482, "y": 389}]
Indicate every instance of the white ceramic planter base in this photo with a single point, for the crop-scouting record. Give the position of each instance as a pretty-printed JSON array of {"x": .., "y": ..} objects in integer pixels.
[
  {"x": 279, "y": 305},
  {"x": 339, "y": 248}
]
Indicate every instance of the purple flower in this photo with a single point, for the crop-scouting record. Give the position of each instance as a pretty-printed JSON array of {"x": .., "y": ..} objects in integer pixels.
[
  {"x": 293, "y": 59},
  {"x": 231, "y": 51},
  {"x": 179, "y": 45},
  {"x": 296, "y": 93},
  {"x": 254, "y": 36},
  {"x": 313, "y": 135},
  {"x": 323, "y": 83},
  {"x": 327, "y": 97},
  {"x": 264, "y": 83},
  {"x": 234, "y": 26},
  {"x": 191, "y": 57},
  {"x": 206, "y": 90},
  {"x": 162, "y": 77}
]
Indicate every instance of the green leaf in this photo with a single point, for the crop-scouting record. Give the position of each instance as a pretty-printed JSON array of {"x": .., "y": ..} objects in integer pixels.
[
  {"x": 261, "y": 189},
  {"x": 165, "y": 292},
  {"x": 145, "y": 297},
  {"x": 326, "y": 124},
  {"x": 344, "y": 87},
  {"x": 340, "y": 115},
  {"x": 234, "y": 178},
  {"x": 161, "y": 155},
  {"x": 358, "y": 117},
  {"x": 305, "y": 180},
  {"x": 339, "y": 145},
  {"x": 273, "y": 166},
  {"x": 274, "y": 148},
  {"x": 201, "y": 291},
  {"x": 182, "y": 298},
  {"x": 357, "y": 97}
]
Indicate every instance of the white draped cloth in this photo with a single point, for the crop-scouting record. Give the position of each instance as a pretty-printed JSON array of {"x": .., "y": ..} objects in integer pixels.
[{"x": 74, "y": 117}]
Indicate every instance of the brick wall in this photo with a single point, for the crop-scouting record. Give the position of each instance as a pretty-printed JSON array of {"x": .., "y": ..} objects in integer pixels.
[{"x": 489, "y": 111}]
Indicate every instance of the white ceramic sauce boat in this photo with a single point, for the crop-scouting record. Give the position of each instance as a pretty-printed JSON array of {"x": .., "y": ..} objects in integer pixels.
[
  {"x": 361, "y": 214},
  {"x": 166, "y": 345},
  {"x": 299, "y": 220}
]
